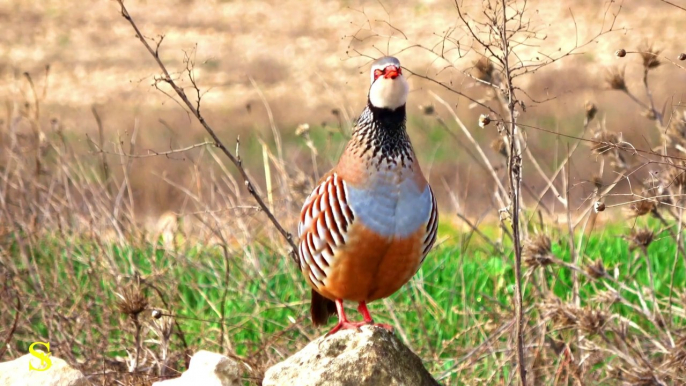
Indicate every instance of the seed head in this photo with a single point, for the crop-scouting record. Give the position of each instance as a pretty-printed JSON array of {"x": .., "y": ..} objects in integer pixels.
[
  {"x": 483, "y": 70},
  {"x": 156, "y": 314},
  {"x": 641, "y": 208},
  {"x": 591, "y": 110},
  {"x": 640, "y": 238},
  {"x": 427, "y": 109},
  {"x": 537, "y": 251},
  {"x": 620, "y": 53},
  {"x": 592, "y": 321},
  {"x": 596, "y": 269},
  {"x": 605, "y": 141},
  {"x": 302, "y": 129},
  {"x": 599, "y": 207},
  {"x": 615, "y": 79},
  {"x": 484, "y": 120},
  {"x": 681, "y": 56},
  {"x": 132, "y": 300},
  {"x": 564, "y": 316},
  {"x": 650, "y": 56}
]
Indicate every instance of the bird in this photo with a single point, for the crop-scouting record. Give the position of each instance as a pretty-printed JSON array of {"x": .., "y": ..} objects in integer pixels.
[{"x": 370, "y": 222}]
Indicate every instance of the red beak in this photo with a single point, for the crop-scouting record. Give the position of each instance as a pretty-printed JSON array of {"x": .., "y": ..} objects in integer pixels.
[{"x": 391, "y": 72}]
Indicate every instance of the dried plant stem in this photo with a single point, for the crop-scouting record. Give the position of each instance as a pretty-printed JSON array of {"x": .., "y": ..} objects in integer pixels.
[
  {"x": 217, "y": 142},
  {"x": 471, "y": 139},
  {"x": 103, "y": 156},
  {"x": 656, "y": 306},
  {"x": 138, "y": 327},
  {"x": 514, "y": 166},
  {"x": 5, "y": 344},
  {"x": 677, "y": 239}
]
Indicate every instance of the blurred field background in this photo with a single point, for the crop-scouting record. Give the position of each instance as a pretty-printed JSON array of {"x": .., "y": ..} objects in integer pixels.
[
  {"x": 93, "y": 242},
  {"x": 299, "y": 58}
]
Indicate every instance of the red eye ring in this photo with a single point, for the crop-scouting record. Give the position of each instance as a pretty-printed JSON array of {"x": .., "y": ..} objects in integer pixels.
[{"x": 377, "y": 73}]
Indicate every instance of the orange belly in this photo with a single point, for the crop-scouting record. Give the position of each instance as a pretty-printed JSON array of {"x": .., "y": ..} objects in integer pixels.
[{"x": 371, "y": 267}]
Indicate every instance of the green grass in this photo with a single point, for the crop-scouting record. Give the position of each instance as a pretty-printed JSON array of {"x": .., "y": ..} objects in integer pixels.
[{"x": 449, "y": 307}]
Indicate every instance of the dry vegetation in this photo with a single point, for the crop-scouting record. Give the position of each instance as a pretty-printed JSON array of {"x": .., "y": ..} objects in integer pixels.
[{"x": 559, "y": 128}]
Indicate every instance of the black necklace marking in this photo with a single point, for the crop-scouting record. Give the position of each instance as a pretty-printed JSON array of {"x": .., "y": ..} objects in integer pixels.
[{"x": 383, "y": 132}]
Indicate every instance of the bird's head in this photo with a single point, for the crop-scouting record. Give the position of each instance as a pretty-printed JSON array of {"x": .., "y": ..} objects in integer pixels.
[{"x": 389, "y": 87}]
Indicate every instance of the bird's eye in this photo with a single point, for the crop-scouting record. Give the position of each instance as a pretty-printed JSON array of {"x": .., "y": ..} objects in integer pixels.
[{"x": 377, "y": 73}]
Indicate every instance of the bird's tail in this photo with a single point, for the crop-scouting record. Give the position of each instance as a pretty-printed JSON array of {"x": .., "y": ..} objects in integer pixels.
[{"x": 321, "y": 309}]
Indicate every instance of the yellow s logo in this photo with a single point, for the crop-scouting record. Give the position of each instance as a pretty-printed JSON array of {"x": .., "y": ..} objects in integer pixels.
[{"x": 45, "y": 362}]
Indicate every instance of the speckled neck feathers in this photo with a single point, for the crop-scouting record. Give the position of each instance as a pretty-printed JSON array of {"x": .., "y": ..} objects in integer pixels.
[{"x": 381, "y": 135}]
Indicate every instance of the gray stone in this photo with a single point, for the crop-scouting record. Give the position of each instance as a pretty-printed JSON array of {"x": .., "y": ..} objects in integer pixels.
[
  {"x": 370, "y": 356},
  {"x": 17, "y": 373},
  {"x": 207, "y": 369}
]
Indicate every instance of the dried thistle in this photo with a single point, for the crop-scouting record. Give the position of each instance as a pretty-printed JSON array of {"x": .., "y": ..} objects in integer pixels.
[
  {"x": 596, "y": 269},
  {"x": 615, "y": 79},
  {"x": 650, "y": 56},
  {"x": 498, "y": 145},
  {"x": 132, "y": 301},
  {"x": 592, "y": 321},
  {"x": 676, "y": 177},
  {"x": 605, "y": 141},
  {"x": 427, "y": 109},
  {"x": 641, "y": 208},
  {"x": 591, "y": 111},
  {"x": 483, "y": 70},
  {"x": 562, "y": 315},
  {"x": 537, "y": 251},
  {"x": 640, "y": 238}
]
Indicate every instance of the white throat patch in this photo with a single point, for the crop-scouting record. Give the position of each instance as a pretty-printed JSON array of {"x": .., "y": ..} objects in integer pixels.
[{"x": 389, "y": 93}]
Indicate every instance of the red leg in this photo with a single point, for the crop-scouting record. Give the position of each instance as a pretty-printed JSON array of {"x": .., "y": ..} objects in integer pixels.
[
  {"x": 343, "y": 322},
  {"x": 368, "y": 318}
]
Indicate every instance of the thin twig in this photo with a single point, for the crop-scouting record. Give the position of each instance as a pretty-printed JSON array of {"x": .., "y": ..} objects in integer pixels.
[{"x": 182, "y": 94}]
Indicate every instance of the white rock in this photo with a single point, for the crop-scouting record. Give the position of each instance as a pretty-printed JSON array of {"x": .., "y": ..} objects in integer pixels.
[
  {"x": 371, "y": 356},
  {"x": 17, "y": 373},
  {"x": 207, "y": 369}
]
